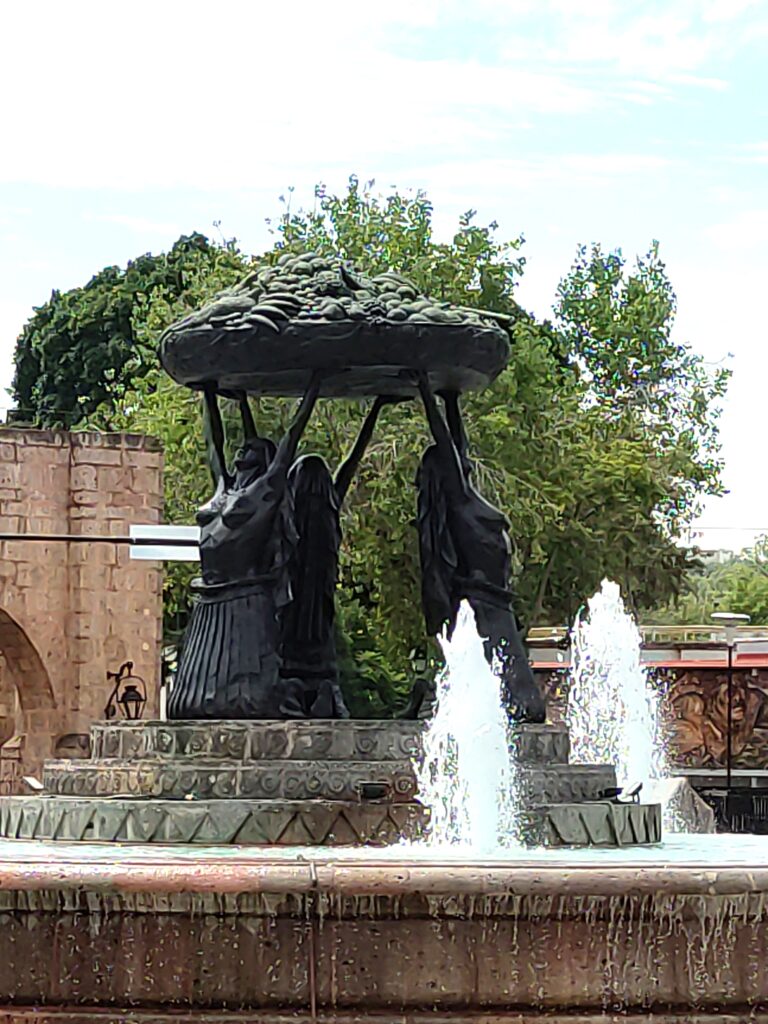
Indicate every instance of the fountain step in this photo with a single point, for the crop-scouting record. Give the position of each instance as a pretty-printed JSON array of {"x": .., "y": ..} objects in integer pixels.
[
  {"x": 541, "y": 744},
  {"x": 290, "y": 779},
  {"x": 294, "y": 780},
  {"x": 592, "y": 824},
  {"x": 319, "y": 740},
  {"x": 209, "y": 822},
  {"x": 564, "y": 783},
  {"x": 311, "y": 823}
]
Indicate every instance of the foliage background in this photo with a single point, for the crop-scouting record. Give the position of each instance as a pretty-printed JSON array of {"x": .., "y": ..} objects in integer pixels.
[{"x": 599, "y": 441}]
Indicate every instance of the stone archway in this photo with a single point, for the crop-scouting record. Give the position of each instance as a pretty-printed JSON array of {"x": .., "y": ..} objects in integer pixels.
[
  {"x": 26, "y": 698},
  {"x": 9, "y": 703},
  {"x": 24, "y": 667}
]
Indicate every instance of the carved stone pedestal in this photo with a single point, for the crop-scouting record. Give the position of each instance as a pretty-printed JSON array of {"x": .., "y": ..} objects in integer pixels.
[{"x": 317, "y": 783}]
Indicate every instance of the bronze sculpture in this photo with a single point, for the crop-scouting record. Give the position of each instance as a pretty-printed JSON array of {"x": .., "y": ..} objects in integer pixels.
[
  {"x": 230, "y": 664},
  {"x": 260, "y": 643},
  {"x": 308, "y": 646},
  {"x": 465, "y": 552}
]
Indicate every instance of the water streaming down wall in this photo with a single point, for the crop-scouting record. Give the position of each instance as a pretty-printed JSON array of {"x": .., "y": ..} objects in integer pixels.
[
  {"x": 386, "y": 945},
  {"x": 467, "y": 776},
  {"x": 613, "y": 710}
]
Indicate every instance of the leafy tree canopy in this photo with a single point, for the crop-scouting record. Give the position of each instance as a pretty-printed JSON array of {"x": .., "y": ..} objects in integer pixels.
[
  {"x": 83, "y": 348},
  {"x": 598, "y": 441},
  {"x": 738, "y": 584}
]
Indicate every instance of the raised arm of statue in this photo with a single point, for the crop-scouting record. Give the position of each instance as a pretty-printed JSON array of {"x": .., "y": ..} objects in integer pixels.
[
  {"x": 286, "y": 450},
  {"x": 455, "y": 421},
  {"x": 348, "y": 468},
  {"x": 213, "y": 431},
  {"x": 454, "y": 478},
  {"x": 246, "y": 417}
]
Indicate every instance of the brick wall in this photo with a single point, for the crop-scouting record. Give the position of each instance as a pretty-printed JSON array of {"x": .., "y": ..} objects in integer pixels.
[{"x": 69, "y": 612}]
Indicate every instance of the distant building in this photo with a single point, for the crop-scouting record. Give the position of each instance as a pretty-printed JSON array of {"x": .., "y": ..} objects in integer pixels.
[{"x": 689, "y": 664}]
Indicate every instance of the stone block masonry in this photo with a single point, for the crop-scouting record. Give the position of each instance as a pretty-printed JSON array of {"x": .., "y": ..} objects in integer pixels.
[{"x": 70, "y": 612}]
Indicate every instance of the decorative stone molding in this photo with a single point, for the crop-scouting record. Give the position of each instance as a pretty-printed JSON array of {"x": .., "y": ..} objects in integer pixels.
[
  {"x": 348, "y": 783},
  {"x": 262, "y": 780},
  {"x": 209, "y": 822},
  {"x": 352, "y": 739}
]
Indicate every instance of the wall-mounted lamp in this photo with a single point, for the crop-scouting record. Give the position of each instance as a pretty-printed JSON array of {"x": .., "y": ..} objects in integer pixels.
[{"x": 129, "y": 694}]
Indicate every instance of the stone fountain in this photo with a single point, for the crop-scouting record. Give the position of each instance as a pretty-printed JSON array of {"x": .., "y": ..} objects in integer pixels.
[
  {"x": 247, "y": 854},
  {"x": 314, "y": 783}
]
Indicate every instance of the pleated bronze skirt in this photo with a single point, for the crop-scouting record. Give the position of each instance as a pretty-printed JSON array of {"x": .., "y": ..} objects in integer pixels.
[{"x": 230, "y": 664}]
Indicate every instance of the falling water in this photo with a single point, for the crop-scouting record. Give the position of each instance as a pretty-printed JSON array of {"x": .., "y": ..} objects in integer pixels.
[
  {"x": 467, "y": 776},
  {"x": 613, "y": 713}
]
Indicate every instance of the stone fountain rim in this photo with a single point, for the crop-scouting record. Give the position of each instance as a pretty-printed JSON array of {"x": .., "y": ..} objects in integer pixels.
[{"x": 165, "y": 870}]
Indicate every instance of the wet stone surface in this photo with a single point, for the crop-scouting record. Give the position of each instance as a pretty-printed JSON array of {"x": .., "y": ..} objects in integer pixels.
[
  {"x": 393, "y": 781},
  {"x": 318, "y": 937}
]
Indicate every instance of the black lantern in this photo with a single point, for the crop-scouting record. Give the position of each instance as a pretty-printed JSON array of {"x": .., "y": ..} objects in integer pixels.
[
  {"x": 129, "y": 693},
  {"x": 418, "y": 659}
]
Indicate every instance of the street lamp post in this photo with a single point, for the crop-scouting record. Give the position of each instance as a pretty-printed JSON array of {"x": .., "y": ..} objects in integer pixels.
[{"x": 730, "y": 620}]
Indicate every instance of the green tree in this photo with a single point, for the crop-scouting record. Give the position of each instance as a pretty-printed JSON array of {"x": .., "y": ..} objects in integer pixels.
[
  {"x": 738, "y": 584},
  {"x": 83, "y": 348},
  {"x": 596, "y": 479},
  {"x": 618, "y": 327}
]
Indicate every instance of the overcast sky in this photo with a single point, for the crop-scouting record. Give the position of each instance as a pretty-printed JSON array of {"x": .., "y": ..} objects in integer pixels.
[{"x": 125, "y": 125}]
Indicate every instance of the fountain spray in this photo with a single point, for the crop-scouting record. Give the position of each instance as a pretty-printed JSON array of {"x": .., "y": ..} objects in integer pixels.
[
  {"x": 468, "y": 775},
  {"x": 613, "y": 711}
]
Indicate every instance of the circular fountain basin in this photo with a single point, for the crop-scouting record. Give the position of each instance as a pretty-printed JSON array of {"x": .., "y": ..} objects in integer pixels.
[{"x": 357, "y": 934}]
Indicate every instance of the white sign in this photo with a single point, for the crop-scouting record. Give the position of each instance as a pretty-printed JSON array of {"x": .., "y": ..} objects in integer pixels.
[{"x": 165, "y": 543}]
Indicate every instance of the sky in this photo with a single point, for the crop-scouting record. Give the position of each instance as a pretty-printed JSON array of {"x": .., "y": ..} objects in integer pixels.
[{"x": 566, "y": 121}]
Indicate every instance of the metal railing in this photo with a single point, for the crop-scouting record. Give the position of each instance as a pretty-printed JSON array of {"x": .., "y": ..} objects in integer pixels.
[
  {"x": 672, "y": 635},
  {"x": 743, "y": 811}
]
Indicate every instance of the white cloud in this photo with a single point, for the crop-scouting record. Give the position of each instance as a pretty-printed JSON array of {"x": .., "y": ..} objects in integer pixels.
[
  {"x": 176, "y": 95},
  {"x": 746, "y": 231},
  {"x": 669, "y": 42},
  {"x": 718, "y": 314},
  {"x": 661, "y": 44},
  {"x": 611, "y": 165},
  {"x": 585, "y": 8},
  {"x": 727, "y": 10},
  {"x": 190, "y": 101},
  {"x": 138, "y": 225},
  {"x": 566, "y": 170},
  {"x": 753, "y": 153},
  {"x": 264, "y": 125},
  {"x": 699, "y": 82}
]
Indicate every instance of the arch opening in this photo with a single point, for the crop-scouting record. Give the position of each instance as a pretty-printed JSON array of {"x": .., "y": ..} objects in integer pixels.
[{"x": 24, "y": 669}]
